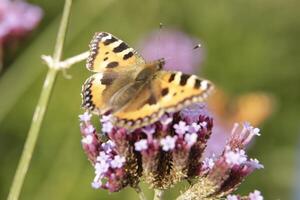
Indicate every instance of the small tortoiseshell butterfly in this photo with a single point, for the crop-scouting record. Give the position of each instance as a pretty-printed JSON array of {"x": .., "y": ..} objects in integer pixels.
[{"x": 136, "y": 92}]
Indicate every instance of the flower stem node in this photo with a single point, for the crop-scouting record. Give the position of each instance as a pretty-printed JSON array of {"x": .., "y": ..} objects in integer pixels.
[{"x": 63, "y": 65}]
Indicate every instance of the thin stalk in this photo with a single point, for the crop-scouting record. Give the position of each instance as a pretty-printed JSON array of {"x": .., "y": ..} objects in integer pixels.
[
  {"x": 61, "y": 35},
  {"x": 140, "y": 193},
  {"x": 158, "y": 194},
  {"x": 1, "y": 57},
  {"x": 32, "y": 136},
  {"x": 75, "y": 59},
  {"x": 41, "y": 108}
]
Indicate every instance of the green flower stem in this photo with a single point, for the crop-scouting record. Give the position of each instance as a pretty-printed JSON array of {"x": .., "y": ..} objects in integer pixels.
[
  {"x": 61, "y": 35},
  {"x": 32, "y": 136},
  {"x": 40, "y": 108},
  {"x": 1, "y": 58},
  {"x": 158, "y": 194},
  {"x": 140, "y": 193}
]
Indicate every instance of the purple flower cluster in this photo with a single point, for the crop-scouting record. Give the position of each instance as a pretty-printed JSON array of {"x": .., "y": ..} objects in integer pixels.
[
  {"x": 167, "y": 152},
  {"x": 17, "y": 18},
  {"x": 256, "y": 195},
  {"x": 104, "y": 157}
]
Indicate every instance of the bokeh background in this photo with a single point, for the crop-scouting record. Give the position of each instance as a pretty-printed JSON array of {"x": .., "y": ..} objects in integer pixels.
[{"x": 249, "y": 46}]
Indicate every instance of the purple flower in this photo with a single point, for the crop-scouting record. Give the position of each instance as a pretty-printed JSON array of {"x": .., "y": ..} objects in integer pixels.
[
  {"x": 117, "y": 162},
  {"x": 169, "y": 151},
  {"x": 103, "y": 157},
  {"x": 190, "y": 138},
  {"x": 192, "y": 112},
  {"x": 89, "y": 129},
  {"x": 17, "y": 18},
  {"x": 168, "y": 143},
  {"x": 181, "y": 127},
  {"x": 194, "y": 127},
  {"x": 141, "y": 145},
  {"x": 107, "y": 127},
  {"x": 166, "y": 120},
  {"x": 101, "y": 167},
  {"x": 203, "y": 124},
  {"x": 208, "y": 163},
  {"x": 106, "y": 118},
  {"x": 256, "y": 195},
  {"x": 85, "y": 117},
  {"x": 236, "y": 157},
  {"x": 108, "y": 146},
  {"x": 87, "y": 139},
  {"x": 232, "y": 197},
  {"x": 176, "y": 47},
  {"x": 255, "y": 163},
  {"x": 96, "y": 185},
  {"x": 149, "y": 131}
]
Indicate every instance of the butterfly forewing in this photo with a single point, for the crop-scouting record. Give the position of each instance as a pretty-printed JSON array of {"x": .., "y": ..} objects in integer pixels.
[{"x": 107, "y": 52}]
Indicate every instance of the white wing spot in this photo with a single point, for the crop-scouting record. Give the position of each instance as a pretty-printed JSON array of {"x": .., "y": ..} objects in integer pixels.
[{"x": 204, "y": 84}]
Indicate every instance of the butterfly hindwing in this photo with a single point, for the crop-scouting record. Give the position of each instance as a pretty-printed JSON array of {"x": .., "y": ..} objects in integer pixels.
[
  {"x": 168, "y": 92},
  {"x": 94, "y": 91},
  {"x": 107, "y": 52},
  {"x": 179, "y": 89},
  {"x": 108, "y": 91},
  {"x": 91, "y": 93}
]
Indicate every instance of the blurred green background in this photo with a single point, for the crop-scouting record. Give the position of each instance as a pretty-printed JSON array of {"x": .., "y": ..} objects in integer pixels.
[{"x": 250, "y": 45}]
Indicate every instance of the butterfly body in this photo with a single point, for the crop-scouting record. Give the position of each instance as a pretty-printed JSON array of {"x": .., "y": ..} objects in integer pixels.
[{"x": 135, "y": 92}]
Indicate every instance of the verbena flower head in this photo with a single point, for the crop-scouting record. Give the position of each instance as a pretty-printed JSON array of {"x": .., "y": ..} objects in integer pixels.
[{"x": 167, "y": 152}]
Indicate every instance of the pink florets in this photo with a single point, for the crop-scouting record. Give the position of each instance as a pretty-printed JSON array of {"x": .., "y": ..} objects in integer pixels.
[
  {"x": 256, "y": 195},
  {"x": 232, "y": 197},
  {"x": 17, "y": 18},
  {"x": 141, "y": 145},
  {"x": 162, "y": 151},
  {"x": 168, "y": 143},
  {"x": 181, "y": 128},
  {"x": 235, "y": 157}
]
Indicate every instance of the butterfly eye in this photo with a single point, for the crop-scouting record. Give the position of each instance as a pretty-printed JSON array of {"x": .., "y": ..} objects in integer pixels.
[{"x": 161, "y": 63}]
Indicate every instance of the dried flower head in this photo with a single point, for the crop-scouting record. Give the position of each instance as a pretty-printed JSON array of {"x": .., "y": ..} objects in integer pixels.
[{"x": 167, "y": 152}]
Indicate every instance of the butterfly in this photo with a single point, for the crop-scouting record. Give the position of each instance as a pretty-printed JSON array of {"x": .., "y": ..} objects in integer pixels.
[{"x": 135, "y": 92}]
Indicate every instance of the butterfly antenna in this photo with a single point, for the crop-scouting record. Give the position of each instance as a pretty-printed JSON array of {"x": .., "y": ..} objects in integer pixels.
[
  {"x": 159, "y": 39},
  {"x": 198, "y": 46}
]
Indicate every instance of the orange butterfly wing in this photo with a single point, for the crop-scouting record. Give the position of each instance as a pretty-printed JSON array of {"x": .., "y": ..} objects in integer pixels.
[
  {"x": 92, "y": 90},
  {"x": 107, "y": 52},
  {"x": 168, "y": 92}
]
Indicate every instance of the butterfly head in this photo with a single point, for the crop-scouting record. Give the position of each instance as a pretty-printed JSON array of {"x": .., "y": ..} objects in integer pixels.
[{"x": 160, "y": 63}]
